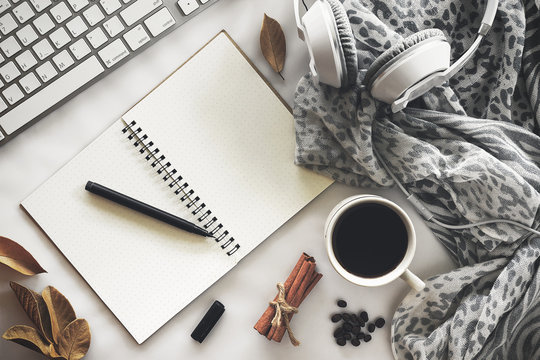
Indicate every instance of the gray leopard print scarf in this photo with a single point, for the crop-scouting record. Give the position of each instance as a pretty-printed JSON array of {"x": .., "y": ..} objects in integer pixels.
[{"x": 469, "y": 150}]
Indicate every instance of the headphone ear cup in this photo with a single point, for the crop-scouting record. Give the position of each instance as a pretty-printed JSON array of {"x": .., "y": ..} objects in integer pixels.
[
  {"x": 406, "y": 63},
  {"x": 347, "y": 41}
]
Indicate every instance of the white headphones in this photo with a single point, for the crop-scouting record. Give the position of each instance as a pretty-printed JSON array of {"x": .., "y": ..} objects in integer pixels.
[{"x": 405, "y": 71}]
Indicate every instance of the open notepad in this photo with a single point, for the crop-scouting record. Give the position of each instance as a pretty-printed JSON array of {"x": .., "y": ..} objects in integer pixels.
[{"x": 213, "y": 144}]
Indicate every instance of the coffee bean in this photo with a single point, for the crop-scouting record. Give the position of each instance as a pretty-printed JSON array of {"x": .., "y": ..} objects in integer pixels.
[
  {"x": 379, "y": 322},
  {"x": 367, "y": 338},
  {"x": 362, "y": 323},
  {"x": 371, "y": 327},
  {"x": 336, "y": 317},
  {"x": 347, "y": 327},
  {"x": 360, "y": 335},
  {"x": 341, "y": 303},
  {"x": 355, "y": 330},
  {"x": 341, "y": 341},
  {"x": 355, "y": 318},
  {"x": 348, "y": 336},
  {"x": 364, "y": 316},
  {"x": 355, "y": 342},
  {"x": 339, "y": 332},
  {"x": 346, "y": 316}
]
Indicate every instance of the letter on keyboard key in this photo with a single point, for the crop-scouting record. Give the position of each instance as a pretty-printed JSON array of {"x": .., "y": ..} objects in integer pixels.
[
  {"x": 9, "y": 72},
  {"x": 4, "y": 5},
  {"x": 41, "y": 5},
  {"x": 50, "y": 95},
  {"x": 27, "y": 35},
  {"x": 63, "y": 60},
  {"x": 43, "y": 49},
  {"x": 46, "y": 72},
  {"x": 7, "y": 24},
  {"x": 139, "y": 9},
  {"x": 113, "y": 53},
  {"x": 60, "y": 12},
  {"x": 79, "y": 49},
  {"x": 10, "y": 46},
  {"x": 59, "y": 38},
  {"x": 43, "y": 24},
  {"x": 77, "y": 5},
  {"x": 159, "y": 22},
  {"x": 188, "y": 6},
  {"x": 76, "y": 26},
  {"x": 13, "y": 94},
  {"x": 26, "y": 60},
  {"x": 136, "y": 37},
  {"x": 30, "y": 83}
]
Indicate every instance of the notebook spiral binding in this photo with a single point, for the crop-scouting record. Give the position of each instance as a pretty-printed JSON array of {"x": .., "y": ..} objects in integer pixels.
[{"x": 181, "y": 188}]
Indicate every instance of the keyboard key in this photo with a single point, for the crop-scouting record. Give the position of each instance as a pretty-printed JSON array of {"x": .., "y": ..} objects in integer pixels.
[
  {"x": 93, "y": 15},
  {"x": 110, "y": 6},
  {"x": 76, "y": 26},
  {"x": 1, "y": 84},
  {"x": 29, "y": 83},
  {"x": 203, "y": 1},
  {"x": 10, "y": 46},
  {"x": 13, "y": 94},
  {"x": 3, "y": 107},
  {"x": 63, "y": 60},
  {"x": 136, "y": 37},
  {"x": 138, "y": 10},
  {"x": 159, "y": 22},
  {"x": 43, "y": 49},
  {"x": 43, "y": 24},
  {"x": 46, "y": 72},
  {"x": 4, "y": 5},
  {"x": 7, "y": 24},
  {"x": 96, "y": 37},
  {"x": 23, "y": 12},
  {"x": 26, "y": 60},
  {"x": 79, "y": 49},
  {"x": 78, "y": 5},
  {"x": 1, "y": 59},
  {"x": 113, "y": 53},
  {"x": 27, "y": 35},
  {"x": 60, "y": 13},
  {"x": 9, "y": 72},
  {"x": 113, "y": 26},
  {"x": 59, "y": 37},
  {"x": 188, "y": 6},
  {"x": 40, "y": 5},
  {"x": 52, "y": 94}
]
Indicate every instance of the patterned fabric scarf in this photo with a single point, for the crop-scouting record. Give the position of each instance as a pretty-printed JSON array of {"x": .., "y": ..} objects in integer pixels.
[{"x": 469, "y": 150}]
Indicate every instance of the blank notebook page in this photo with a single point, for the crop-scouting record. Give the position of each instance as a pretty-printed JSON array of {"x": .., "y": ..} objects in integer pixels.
[{"x": 230, "y": 137}]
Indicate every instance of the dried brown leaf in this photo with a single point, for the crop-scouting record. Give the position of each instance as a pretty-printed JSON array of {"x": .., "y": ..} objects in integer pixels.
[
  {"x": 30, "y": 338},
  {"x": 272, "y": 42},
  {"x": 60, "y": 311},
  {"x": 17, "y": 258},
  {"x": 35, "y": 307},
  {"x": 75, "y": 340}
]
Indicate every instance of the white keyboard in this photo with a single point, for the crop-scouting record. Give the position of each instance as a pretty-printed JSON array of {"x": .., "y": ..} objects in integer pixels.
[{"x": 50, "y": 50}]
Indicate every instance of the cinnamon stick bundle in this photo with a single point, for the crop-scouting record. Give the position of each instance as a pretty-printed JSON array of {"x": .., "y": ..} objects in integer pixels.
[{"x": 298, "y": 285}]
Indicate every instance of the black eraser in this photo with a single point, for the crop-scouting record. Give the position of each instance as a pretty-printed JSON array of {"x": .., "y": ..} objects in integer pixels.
[{"x": 208, "y": 321}]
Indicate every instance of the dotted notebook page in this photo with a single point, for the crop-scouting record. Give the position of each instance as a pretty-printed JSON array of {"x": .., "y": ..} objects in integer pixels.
[
  {"x": 119, "y": 252},
  {"x": 230, "y": 136}
]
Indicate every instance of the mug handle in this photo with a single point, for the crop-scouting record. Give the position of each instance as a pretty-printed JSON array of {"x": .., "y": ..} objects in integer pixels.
[{"x": 413, "y": 280}]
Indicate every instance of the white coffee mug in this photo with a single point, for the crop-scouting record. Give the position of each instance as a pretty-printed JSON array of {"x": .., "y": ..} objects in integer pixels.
[{"x": 401, "y": 270}]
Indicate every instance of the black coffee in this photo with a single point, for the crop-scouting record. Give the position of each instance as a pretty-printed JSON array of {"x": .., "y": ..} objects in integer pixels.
[{"x": 369, "y": 240}]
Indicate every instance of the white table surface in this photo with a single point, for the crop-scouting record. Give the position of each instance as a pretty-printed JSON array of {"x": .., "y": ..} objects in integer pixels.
[{"x": 38, "y": 152}]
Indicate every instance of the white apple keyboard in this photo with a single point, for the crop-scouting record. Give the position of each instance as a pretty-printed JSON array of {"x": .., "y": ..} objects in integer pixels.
[{"x": 51, "y": 50}]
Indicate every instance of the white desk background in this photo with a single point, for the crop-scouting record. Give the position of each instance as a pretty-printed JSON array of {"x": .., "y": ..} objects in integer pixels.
[{"x": 38, "y": 152}]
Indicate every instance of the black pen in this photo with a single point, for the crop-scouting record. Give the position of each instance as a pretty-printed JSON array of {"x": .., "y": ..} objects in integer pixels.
[{"x": 146, "y": 209}]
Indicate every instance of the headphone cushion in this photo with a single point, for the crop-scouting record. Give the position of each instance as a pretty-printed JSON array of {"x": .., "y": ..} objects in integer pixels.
[
  {"x": 348, "y": 43},
  {"x": 398, "y": 48}
]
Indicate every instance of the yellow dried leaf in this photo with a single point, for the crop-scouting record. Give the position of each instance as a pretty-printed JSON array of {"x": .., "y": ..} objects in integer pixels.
[
  {"x": 17, "y": 258},
  {"x": 75, "y": 340},
  {"x": 272, "y": 42},
  {"x": 35, "y": 307},
  {"x": 30, "y": 338},
  {"x": 60, "y": 311}
]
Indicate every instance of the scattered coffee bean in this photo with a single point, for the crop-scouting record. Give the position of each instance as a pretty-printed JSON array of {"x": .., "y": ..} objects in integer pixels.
[
  {"x": 355, "y": 342},
  {"x": 379, "y": 322},
  {"x": 371, "y": 327},
  {"x": 346, "y": 316},
  {"x": 341, "y": 341},
  {"x": 364, "y": 316},
  {"x": 336, "y": 317},
  {"x": 347, "y": 327},
  {"x": 360, "y": 335},
  {"x": 362, "y": 323},
  {"x": 355, "y": 330},
  {"x": 341, "y": 303},
  {"x": 367, "y": 338},
  {"x": 339, "y": 332},
  {"x": 348, "y": 336},
  {"x": 355, "y": 319}
]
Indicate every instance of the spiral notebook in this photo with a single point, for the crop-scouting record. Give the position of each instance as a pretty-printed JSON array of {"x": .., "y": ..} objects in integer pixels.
[{"x": 214, "y": 144}]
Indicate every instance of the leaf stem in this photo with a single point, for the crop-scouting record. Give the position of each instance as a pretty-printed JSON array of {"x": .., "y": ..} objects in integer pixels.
[{"x": 282, "y": 78}]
